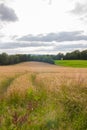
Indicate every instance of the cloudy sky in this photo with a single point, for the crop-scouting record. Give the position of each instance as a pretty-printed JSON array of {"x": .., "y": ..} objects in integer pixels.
[{"x": 43, "y": 26}]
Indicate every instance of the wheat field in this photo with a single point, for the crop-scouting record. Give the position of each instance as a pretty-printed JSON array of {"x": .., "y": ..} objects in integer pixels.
[{"x": 40, "y": 96}]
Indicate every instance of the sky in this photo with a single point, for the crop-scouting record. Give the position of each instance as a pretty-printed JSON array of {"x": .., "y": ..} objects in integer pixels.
[{"x": 43, "y": 26}]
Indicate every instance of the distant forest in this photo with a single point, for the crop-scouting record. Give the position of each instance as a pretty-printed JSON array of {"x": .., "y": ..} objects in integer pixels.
[{"x": 6, "y": 59}]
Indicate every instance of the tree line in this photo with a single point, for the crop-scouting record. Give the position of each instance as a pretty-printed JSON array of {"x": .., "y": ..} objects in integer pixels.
[
  {"x": 74, "y": 55},
  {"x": 6, "y": 59}
]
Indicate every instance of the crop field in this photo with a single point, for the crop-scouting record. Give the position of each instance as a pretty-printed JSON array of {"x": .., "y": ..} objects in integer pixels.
[
  {"x": 72, "y": 63},
  {"x": 40, "y": 96}
]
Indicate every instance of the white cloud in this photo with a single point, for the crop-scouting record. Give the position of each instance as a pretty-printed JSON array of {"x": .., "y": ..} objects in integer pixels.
[{"x": 40, "y": 17}]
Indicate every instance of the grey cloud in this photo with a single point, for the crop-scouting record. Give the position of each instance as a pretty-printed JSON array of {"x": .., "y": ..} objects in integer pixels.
[
  {"x": 68, "y": 47},
  {"x": 56, "y": 46},
  {"x": 63, "y": 42},
  {"x": 39, "y": 48},
  {"x": 14, "y": 37},
  {"x": 80, "y": 10},
  {"x": 7, "y": 14},
  {"x": 15, "y": 45},
  {"x": 58, "y": 37},
  {"x": 26, "y": 51}
]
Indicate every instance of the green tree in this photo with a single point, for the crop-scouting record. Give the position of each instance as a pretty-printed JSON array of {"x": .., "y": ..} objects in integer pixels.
[{"x": 4, "y": 59}]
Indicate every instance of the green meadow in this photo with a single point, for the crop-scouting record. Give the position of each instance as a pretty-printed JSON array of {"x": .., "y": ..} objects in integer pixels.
[{"x": 72, "y": 63}]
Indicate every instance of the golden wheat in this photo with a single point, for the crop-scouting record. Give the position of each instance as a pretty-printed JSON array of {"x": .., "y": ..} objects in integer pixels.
[{"x": 49, "y": 76}]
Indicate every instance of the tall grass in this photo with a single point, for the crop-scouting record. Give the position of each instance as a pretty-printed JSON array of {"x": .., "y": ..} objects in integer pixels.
[{"x": 44, "y": 101}]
